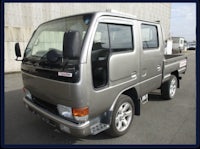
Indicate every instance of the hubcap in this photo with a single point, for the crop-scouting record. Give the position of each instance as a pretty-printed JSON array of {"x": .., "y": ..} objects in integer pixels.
[
  {"x": 123, "y": 116},
  {"x": 173, "y": 87}
]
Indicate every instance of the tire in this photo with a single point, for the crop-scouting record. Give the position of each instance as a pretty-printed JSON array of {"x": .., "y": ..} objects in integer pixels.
[
  {"x": 168, "y": 89},
  {"x": 122, "y": 116}
]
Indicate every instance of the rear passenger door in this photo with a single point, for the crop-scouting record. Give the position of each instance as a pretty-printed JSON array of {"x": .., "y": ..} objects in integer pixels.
[{"x": 151, "y": 57}]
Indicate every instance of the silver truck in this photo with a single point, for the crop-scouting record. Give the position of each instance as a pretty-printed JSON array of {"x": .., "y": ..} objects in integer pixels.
[{"x": 90, "y": 72}]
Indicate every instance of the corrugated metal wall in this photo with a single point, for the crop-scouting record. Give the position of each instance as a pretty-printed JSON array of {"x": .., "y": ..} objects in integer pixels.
[{"x": 21, "y": 19}]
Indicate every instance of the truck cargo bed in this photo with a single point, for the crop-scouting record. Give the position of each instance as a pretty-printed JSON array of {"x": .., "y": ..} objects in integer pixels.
[
  {"x": 171, "y": 56},
  {"x": 174, "y": 63}
]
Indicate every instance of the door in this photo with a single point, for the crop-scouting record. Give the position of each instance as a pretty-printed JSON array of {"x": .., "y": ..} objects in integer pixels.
[
  {"x": 150, "y": 58},
  {"x": 114, "y": 59}
]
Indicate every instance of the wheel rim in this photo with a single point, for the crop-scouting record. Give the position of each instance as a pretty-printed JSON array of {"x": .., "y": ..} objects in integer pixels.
[
  {"x": 173, "y": 87},
  {"x": 123, "y": 117}
]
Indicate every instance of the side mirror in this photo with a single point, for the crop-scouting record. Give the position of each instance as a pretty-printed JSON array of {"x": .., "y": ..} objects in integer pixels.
[
  {"x": 17, "y": 51},
  {"x": 71, "y": 45}
]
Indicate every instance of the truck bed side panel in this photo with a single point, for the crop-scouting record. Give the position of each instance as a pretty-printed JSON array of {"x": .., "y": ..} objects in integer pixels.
[{"x": 174, "y": 63}]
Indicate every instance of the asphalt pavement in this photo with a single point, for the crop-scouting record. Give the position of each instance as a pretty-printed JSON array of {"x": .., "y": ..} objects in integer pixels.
[{"x": 161, "y": 121}]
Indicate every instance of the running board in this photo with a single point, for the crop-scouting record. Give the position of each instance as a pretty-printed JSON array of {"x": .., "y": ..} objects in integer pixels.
[{"x": 98, "y": 127}]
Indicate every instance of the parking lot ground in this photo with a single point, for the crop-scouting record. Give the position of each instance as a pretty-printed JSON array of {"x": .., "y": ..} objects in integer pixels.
[{"x": 161, "y": 121}]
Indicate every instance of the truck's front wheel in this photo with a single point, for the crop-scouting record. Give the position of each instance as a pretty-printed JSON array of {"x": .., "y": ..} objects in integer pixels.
[
  {"x": 122, "y": 116},
  {"x": 168, "y": 89}
]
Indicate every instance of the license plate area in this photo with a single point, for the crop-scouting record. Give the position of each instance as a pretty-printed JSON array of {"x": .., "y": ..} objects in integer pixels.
[{"x": 45, "y": 119}]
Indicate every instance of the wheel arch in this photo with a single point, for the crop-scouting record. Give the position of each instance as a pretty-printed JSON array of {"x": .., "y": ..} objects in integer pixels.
[
  {"x": 132, "y": 93},
  {"x": 176, "y": 74}
]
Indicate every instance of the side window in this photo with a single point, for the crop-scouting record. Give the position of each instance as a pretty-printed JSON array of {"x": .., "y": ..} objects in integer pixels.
[
  {"x": 120, "y": 38},
  {"x": 149, "y": 36},
  {"x": 101, "y": 39},
  {"x": 100, "y": 54}
]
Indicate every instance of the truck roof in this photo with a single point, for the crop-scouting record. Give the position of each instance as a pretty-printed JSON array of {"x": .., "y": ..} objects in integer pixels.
[
  {"x": 108, "y": 13},
  {"x": 122, "y": 15}
]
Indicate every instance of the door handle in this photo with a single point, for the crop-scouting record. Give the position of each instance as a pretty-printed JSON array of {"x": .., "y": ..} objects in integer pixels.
[
  {"x": 144, "y": 72},
  {"x": 134, "y": 75},
  {"x": 144, "y": 75},
  {"x": 158, "y": 68},
  {"x": 101, "y": 58}
]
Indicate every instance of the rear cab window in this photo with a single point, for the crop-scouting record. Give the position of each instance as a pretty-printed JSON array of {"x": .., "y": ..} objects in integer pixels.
[{"x": 149, "y": 36}]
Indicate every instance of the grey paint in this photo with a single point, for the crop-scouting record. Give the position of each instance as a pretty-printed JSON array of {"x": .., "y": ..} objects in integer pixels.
[{"x": 126, "y": 70}]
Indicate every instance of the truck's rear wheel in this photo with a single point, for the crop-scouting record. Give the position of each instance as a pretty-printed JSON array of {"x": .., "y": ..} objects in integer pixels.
[
  {"x": 168, "y": 89},
  {"x": 122, "y": 116}
]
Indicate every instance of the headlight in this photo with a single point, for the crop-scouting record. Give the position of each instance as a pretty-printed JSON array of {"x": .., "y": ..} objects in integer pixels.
[{"x": 64, "y": 111}]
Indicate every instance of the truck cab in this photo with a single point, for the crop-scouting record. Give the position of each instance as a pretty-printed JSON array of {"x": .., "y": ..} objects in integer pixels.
[{"x": 87, "y": 73}]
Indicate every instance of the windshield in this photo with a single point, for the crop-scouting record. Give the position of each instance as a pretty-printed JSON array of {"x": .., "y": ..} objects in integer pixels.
[{"x": 50, "y": 35}]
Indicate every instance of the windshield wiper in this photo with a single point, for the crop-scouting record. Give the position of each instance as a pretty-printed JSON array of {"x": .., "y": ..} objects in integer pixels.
[{"x": 32, "y": 59}]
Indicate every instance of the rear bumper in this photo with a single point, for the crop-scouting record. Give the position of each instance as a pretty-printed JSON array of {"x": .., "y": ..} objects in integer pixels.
[{"x": 79, "y": 130}]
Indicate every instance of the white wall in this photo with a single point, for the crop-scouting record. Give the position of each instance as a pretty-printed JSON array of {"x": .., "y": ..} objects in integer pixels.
[{"x": 21, "y": 19}]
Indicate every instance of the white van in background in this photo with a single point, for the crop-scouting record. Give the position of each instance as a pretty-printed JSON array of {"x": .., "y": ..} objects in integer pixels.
[{"x": 178, "y": 44}]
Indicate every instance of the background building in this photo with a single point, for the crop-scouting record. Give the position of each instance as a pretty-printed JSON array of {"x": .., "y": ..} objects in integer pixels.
[{"x": 21, "y": 19}]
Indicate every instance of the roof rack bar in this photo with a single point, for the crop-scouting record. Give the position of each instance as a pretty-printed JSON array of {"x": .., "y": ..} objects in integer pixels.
[{"x": 119, "y": 12}]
